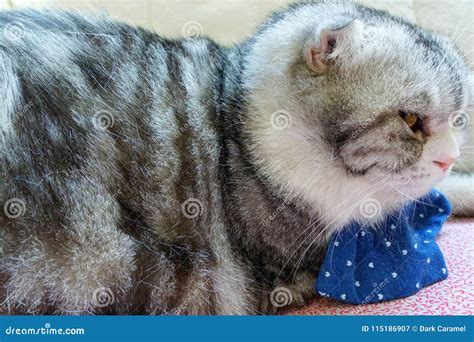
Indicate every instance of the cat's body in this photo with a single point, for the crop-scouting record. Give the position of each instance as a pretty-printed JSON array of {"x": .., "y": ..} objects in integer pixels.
[{"x": 150, "y": 171}]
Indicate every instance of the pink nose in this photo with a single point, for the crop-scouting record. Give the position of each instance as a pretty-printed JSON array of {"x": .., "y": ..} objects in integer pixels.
[{"x": 445, "y": 163}]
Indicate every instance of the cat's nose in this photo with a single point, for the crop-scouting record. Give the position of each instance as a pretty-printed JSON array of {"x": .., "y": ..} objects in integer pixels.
[{"x": 445, "y": 162}]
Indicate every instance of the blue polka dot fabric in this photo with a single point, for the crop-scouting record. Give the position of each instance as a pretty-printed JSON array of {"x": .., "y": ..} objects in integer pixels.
[{"x": 393, "y": 260}]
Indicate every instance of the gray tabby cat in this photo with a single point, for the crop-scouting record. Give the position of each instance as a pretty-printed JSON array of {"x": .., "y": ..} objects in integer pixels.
[{"x": 148, "y": 176}]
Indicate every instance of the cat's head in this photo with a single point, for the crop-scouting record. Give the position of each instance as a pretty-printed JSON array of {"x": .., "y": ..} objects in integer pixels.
[{"x": 372, "y": 110}]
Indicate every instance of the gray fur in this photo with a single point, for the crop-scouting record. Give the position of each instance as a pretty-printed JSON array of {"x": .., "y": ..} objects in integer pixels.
[{"x": 141, "y": 163}]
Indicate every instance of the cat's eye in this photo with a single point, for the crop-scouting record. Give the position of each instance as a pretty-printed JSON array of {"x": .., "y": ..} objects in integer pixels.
[
  {"x": 411, "y": 119},
  {"x": 415, "y": 122}
]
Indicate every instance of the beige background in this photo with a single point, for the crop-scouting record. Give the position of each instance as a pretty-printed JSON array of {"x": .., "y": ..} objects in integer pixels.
[{"x": 228, "y": 21}]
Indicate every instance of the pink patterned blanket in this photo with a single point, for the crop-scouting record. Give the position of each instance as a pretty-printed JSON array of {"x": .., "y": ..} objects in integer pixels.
[{"x": 454, "y": 296}]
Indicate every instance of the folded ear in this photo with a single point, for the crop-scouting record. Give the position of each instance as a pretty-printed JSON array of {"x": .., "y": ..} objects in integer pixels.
[{"x": 332, "y": 43}]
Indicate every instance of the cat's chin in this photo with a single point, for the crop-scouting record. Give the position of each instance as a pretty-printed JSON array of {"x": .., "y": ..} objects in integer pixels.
[
  {"x": 417, "y": 185},
  {"x": 361, "y": 203},
  {"x": 415, "y": 190},
  {"x": 375, "y": 209},
  {"x": 371, "y": 211}
]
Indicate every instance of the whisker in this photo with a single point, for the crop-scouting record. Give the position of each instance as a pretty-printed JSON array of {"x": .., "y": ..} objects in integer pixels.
[
  {"x": 327, "y": 225},
  {"x": 322, "y": 221}
]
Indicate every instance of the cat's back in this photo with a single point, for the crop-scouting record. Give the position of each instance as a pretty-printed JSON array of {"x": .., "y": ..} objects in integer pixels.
[
  {"x": 92, "y": 96},
  {"x": 107, "y": 133},
  {"x": 71, "y": 56},
  {"x": 93, "y": 104},
  {"x": 89, "y": 77}
]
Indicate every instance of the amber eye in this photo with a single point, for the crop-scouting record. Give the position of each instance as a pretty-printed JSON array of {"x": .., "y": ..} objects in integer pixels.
[
  {"x": 411, "y": 119},
  {"x": 415, "y": 123}
]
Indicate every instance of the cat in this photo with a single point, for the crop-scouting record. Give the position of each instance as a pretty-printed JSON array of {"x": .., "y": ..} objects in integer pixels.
[{"x": 142, "y": 175}]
